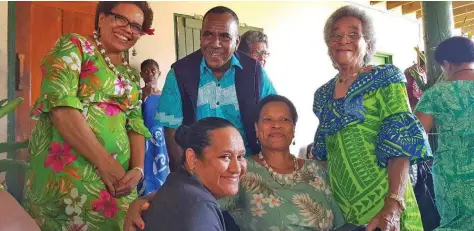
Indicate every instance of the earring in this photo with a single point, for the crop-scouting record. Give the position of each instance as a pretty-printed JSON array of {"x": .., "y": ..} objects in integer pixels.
[
  {"x": 134, "y": 52},
  {"x": 258, "y": 142},
  {"x": 294, "y": 143}
]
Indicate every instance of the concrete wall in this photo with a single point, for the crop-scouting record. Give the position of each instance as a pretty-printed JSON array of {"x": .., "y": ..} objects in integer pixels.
[{"x": 299, "y": 63}]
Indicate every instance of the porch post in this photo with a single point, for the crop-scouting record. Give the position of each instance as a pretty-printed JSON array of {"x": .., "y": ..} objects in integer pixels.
[{"x": 437, "y": 26}]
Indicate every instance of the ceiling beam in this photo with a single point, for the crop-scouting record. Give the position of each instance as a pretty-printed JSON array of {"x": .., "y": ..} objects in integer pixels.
[
  {"x": 464, "y": 23},
  {"x": 468, "y": 28},
  {"x": 464, "y": 17},
  {"x": 411, "y": 7},
  {"x": 463, "y": 10},
  {"x": 459, "y": 4},
  {"x": 395, "y": 4},
  {"x": 418, "y": 14},
  {"x": 375, "y": 2}
]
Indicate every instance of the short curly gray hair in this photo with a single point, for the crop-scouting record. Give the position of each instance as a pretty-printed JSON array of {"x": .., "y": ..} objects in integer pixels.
[
  {"x": 251, "y": 37},
  {"x": 368, "y": 30}
]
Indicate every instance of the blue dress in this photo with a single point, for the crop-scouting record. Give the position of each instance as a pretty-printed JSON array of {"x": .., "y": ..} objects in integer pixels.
[{"x": 156, "y": 156}]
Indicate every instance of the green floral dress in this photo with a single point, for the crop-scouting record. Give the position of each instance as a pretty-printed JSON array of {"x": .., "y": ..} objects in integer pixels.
[
  {"x": 265, "y": 204},
  {"x": 63, "y": 191},
  {"x": 451, "y": 104}
]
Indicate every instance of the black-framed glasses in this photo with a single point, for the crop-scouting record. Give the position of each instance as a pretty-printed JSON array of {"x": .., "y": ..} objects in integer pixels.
[
  {"x": 122, "y": 21},
  {"x": 353, "y": 37}
]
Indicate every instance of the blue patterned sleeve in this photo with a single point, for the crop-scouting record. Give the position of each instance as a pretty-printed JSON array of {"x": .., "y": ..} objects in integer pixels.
[
  {"x": 267, "y": 86},
  {"x": 170, "y": 110},
  {"x": 401, "y": 133},
  {"x": 319, "y": 144}
]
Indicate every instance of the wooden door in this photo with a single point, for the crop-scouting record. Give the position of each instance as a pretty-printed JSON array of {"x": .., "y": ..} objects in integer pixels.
[{"x": 38, "y": 26}]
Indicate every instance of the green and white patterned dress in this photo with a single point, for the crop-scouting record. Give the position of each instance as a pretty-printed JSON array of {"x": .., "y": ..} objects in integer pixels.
[
  {"x": 359, "y": 133},
  {"x": 263, "y": 204},
  {"x": 451, "y": 104},
  {"x": 63, "y": 191}
]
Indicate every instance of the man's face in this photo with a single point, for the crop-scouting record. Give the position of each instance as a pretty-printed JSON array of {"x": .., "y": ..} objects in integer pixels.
[
  {"x": 259, "y": 51},
  {"x": 219, "y": 39}
]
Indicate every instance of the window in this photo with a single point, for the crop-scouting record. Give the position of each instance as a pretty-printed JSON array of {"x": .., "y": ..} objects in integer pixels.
[
  {"x": 188, "y": 33},
  {"x": 381, "y": 58}
]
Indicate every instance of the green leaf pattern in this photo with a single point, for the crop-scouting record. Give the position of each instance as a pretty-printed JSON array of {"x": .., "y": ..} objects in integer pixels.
[{"x": 451, "y": 104}]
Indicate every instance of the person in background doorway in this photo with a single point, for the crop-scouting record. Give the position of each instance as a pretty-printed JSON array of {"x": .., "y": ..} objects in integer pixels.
[
  {"x": 255, "y": 44},
  {"x": 156, "y": 155},
  {"x": 215, "y": 81},
  {"x": 450, "y": 106}
]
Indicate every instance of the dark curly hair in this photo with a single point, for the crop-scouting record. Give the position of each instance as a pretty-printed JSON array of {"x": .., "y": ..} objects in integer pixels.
[
  {"x": 149, "y": 62},
  {"x": 456, "y": 50},
  {"x": 277, "y": 98},
  {"x": 106, "y": 7}
]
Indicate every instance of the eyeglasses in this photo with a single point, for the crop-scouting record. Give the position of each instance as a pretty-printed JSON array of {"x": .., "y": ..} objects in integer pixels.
[
  {"x": 122, "y": 21},
  {"x": 264, "y": 54},
  {"x": 353, "y": 37}
]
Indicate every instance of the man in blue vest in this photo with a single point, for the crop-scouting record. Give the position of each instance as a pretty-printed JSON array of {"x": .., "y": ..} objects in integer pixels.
[{"x": 217, "y": 80}]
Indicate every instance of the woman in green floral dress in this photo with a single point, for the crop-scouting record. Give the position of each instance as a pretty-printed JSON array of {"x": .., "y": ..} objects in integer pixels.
[
  {"x": 450, "y": 105},
  {"x": 86, "y": 151},
  {"x": 367, "y": 133}
]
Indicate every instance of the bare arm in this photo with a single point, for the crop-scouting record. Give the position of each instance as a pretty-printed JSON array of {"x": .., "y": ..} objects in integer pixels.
[
  {"x": 137, "y": 149},
  {"x": 77, "y": 133},
  {"x": 397, "y": 175},
  {"x": 426, "y": 120},
  {"x": 175, "y": 152}
]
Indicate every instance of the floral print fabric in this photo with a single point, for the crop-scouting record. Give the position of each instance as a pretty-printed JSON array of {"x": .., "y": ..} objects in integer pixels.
[
  {"x": 262, "y": 203},
  {"x": 63, "y": 190}
]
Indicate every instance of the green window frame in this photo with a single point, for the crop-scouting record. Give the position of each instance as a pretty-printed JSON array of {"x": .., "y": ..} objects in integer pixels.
[
  {"x": 188, "y": 33},
  {"x": 381, "y": 58}
]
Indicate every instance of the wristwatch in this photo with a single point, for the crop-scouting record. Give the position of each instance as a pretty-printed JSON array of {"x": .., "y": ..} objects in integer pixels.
[
  {"x": 141, "y": 171},
  {"x": 398, "y": 199}
]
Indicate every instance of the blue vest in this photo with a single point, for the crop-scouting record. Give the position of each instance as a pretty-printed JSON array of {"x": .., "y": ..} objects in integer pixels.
[{"x": 248, "y": 81}]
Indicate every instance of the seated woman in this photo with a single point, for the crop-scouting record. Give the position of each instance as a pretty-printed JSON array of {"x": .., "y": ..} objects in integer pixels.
[
  {"x": 213, "y": 164},
  {"x": 278, "y": 191},
  {"x": 450, "y": 106}
]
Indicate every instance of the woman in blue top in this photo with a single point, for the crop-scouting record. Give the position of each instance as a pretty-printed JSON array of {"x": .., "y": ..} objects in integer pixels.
[{"x": 156, "y": 156}]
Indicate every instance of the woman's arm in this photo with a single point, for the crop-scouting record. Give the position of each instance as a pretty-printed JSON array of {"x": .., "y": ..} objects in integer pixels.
[
  {"x": 137, "y": 149},
  {"x": 426, "y": 120},
  {"x": 78, "y": 134},
  {"x": 137, "y": 159}
]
